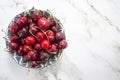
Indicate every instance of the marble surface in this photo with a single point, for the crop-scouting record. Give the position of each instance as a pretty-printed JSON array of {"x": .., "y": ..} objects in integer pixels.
[{"x": 93, "y": 33}]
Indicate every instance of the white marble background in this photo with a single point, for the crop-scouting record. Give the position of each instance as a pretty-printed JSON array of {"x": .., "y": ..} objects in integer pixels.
[{"x": 93, "y": 33}]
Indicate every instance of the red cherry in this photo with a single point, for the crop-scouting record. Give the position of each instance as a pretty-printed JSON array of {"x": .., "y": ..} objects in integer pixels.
[
  {"x": 45, "y": 44},
  {"x": 43, "y": 23},
  {"x": 26, "y": 48},
  {"x": 40, "y": 36},
  {"x": 13, "y": 38},
  {"x": 24, "y": 20},
  {"x": 30, "y": 40},
  {"x": 50, "y": 33},
  {"x": 34, "y": 63},
  {"x": 20, "y": 51},
  {"x": 37, "y": 46},
  {"x": 33, "y": 55},
  {"x": 53, "y": 48},
  {"x": 51, "y": 38},
  {"x": 13, "y": 29},
  {"x": 32, "y": 25}
]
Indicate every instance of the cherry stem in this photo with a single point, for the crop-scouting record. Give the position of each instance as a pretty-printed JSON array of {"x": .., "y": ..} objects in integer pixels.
[
  {"x": 32, "y": 33},
  {"x": 45, "y": 34},
  {"x": 51, "y": 52},
  {"x": 29, "y": 66}
]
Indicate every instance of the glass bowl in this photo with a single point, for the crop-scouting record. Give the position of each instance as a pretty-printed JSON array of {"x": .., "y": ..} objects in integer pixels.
[{"x": 19, "y": 59}]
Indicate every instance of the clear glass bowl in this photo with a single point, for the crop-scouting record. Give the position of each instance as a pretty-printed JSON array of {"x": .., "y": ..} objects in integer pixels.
[{"x": 18, "y": 58}]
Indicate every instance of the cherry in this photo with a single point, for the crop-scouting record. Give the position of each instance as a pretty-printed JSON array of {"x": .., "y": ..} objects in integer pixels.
[
  {"x": 51, "y": 20},
  {"x": 53, "y": 48},
  {"x": 13, "y": 46},
  {"x": 30, "y": 40},
  {"x": 55, "y": 29},
  {"x": 33, "y": 55},
  {"x": 37, "y": 46},
  {"x": 20, "y": 51},
  {"x": 13, "y": 38},
  {"x": 13, "y": 29},
  {"x": 59, "y": 36},
  {"x": 43, "y": 56},
  {"x": 22, "y": 41},
  {"x": 51, "y": 38},
  {"x": 34, "y": 63},
  {"x": 62, "y": 44},
  {"x": 33, "y": 30},
  {"x": 50, "y": 33},
  {"x": 43, "y": 23},
  {"x": 45, "y": 44},
  {"x": 24, "y": 20},
  {"x": 35, "y": 16},
  {"x": 26, "y": 48},
  {"x": 32, "y": 25},
  {"x": 21, "y": 22},
  {"x": 26, "y": 57},
  {"x": 22, "y": 33},
  {"x": 40, "y": 36}
]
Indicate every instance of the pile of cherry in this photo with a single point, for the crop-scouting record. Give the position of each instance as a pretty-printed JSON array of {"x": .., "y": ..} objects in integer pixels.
[{"x": 36, "y": 37}]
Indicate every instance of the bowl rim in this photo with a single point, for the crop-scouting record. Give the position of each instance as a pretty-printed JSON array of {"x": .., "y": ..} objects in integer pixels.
[{"x": 18, "y": 59}]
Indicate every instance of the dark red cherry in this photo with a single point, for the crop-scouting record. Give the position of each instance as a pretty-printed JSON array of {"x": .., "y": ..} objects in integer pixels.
[
  {"x": 53, "y": 48},
  {"x": 13, "y": 38},
  {"x": 13, "y": 46},
  {"x": 13, "y": 29},
  {"x": 62, "y": 44},
  {"x": 51, "y": 20},
  {"x": 40, "y": 36},
  {"x": 44, "y": 56},
  {"x": 59, "y": 36},
  {"x": 20, "y": 51},
  {"x": 35, "y": 16},
  {"x": 26, "y": 48},
  {"x": 37, "y": 46},
  {"x": 33, "y": 55},
  {"x": 34, "y": 63},
  {"x": 55, "y": 29}
]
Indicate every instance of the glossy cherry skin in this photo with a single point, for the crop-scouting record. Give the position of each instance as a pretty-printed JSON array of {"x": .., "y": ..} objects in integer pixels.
[
  {"x": 20, "y": 51},
  {"x": 35, "y": 16},
  {"x": 13, "y": 38},
  {"x": 43, "y": 23},
  {"x": 13, "y": 46},
  {"x": 30, "y": 40},
  {"x": 45, "y": 44},
  {"x": 37, "y": 46},
  {"x": 33, "y": 55},
  {"x": 43, "y": 56},
  {"x": 62, "y": 44},
  {"x": 40, "y": 36},
  {"x": 26, "y": 48},
  {"x": 53, "y": 48},
  {"x": 59, "y": 36},
  {"x": 13, "y": 29}
]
